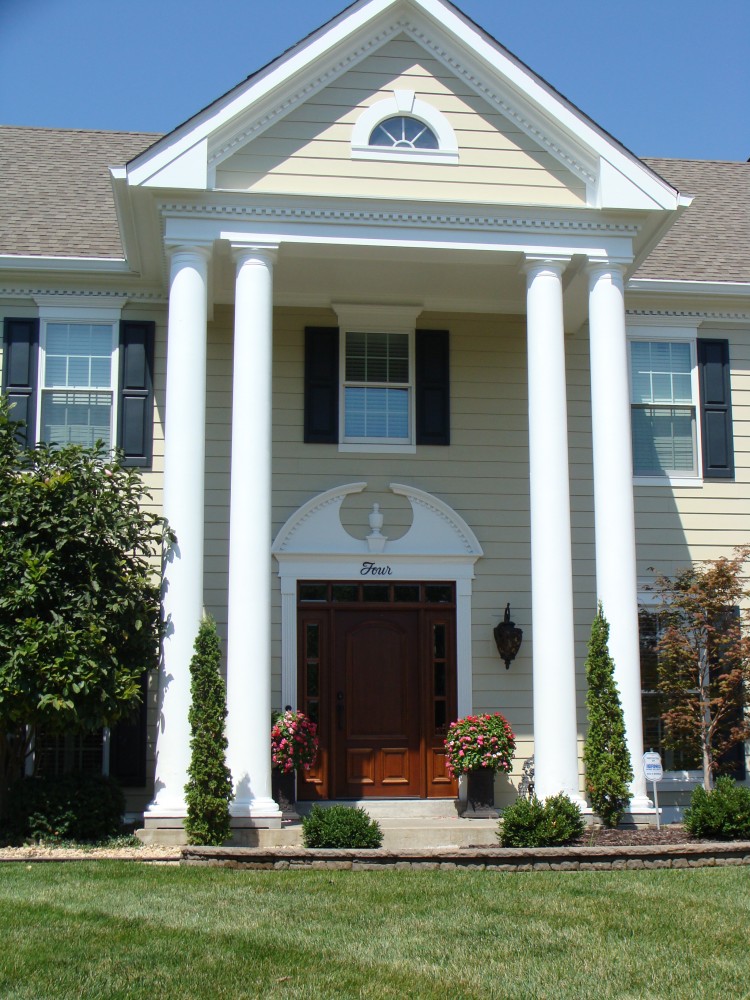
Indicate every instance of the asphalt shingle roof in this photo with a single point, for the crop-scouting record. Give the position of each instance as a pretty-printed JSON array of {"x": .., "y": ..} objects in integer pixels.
[
  {"x": 56, "y": 200},
  {"x": 711, "y": 241},
  {"x": 55, "y": 190}
]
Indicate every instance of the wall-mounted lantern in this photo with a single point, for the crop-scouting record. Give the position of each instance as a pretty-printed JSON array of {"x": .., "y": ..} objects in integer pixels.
[{"x": 507, "y": 638}]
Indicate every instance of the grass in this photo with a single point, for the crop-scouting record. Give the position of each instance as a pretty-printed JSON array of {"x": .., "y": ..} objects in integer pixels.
[{"x": 117, "y": 930}]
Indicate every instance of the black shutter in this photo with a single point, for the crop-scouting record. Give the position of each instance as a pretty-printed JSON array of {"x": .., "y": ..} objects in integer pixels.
[
  {"x": 127, "y": 745},
  {"x": 433, "y": 387},
  {"x": 321, "y": 385},
  {"x": 716, "y": 409},
  {"x": 135, "y": 430},
  {"x": 20, "y": 361}
]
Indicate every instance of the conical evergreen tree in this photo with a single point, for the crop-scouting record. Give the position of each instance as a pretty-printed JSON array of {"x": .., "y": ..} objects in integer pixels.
[
  {"x": 605, "y": 755},
  {"x": 209, "y": 788}
]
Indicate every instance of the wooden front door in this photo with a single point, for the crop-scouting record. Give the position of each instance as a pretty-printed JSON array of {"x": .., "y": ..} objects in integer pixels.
[
  {"x": 376, "y": 704},
  {"x": 377, "y": 672}
]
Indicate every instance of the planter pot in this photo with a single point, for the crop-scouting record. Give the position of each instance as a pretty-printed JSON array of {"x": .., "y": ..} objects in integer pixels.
[
  {"x": 481, "y": 794},
  {"x": 284, "y": 791}
]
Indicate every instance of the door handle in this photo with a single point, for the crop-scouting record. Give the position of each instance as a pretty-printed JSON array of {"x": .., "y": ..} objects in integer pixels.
[{"x": 340, "y": 710}]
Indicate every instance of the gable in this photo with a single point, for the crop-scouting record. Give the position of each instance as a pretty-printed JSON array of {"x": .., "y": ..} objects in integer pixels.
[
  {"x": 194, "y": 156},
  {"x": 309, "y": 151}
]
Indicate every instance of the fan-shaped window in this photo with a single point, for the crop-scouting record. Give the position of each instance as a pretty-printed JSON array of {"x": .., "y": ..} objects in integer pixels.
[
  {"x": 404, "y": 128},
  {"x": 402, "y": 132}
]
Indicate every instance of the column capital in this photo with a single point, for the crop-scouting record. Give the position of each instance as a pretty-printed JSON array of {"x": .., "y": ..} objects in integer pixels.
[
  {"x": 194, "y": 248},
  {"x": 553, "y": 263},
  {"x": 596, "y": 267},
  {"x": 260, "y": 253}
]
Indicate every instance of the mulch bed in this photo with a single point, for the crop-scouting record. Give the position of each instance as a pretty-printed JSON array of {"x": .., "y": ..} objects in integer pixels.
[{"x": 666, "y": 836}]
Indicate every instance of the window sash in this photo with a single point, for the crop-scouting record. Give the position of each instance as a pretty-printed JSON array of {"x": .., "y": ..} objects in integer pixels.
[
  {"x": 664, "y": 428},
  {"x": 77, "y": 375},
  {"x": 377, "y": 387}
]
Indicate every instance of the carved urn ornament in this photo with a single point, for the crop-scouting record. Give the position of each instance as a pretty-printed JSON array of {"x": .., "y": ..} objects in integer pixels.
[{"x": 507, "y": 638}]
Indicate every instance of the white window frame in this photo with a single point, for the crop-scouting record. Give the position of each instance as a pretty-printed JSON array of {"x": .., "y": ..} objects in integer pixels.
[
  {"x": 681, "y": 334},
  {"x": 376, "y": 319},
  {"x": 406, "y": 104},
  {"x": 85, "y": 312}
]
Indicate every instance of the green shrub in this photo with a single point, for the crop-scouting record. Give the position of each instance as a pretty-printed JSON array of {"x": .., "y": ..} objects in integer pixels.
[
  {"x": 340, "y": 826},
  {"x": 605, "y": 755},
  {"x": 209, "y": 788},
  {"x": 723, "y": 813},
  {"x": 531, "y": 823},
  {"x": 73, "y": 807}
]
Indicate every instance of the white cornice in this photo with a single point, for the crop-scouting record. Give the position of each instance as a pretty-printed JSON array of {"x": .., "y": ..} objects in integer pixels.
[
  {"x": 710, "y": 315},
  {"x": 397, "y": 217},
  {"x": 70, "y": 294}
]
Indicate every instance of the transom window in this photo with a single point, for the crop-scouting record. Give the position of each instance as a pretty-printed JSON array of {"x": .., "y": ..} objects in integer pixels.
[
  {"x": 77, "y": 398},
  {"x": 377, "y": 387},
  {"x": 403, "y": 132},
  {"x": 663, "y": 394}
]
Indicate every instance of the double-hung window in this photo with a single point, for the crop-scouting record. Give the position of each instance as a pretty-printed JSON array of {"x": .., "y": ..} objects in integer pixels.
[
  {"x": 377, "y": 387},
  {"x": 79, "y": 373},
  {"x": 681, "y": 404},
  {"x": 663, "y": 380}
]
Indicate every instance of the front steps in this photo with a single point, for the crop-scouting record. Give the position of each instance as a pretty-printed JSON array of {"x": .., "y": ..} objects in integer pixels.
[{"x": 407, "y": 824}]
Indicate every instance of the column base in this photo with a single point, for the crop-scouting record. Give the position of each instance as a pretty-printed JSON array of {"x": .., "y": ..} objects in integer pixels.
[{"x": 262, "y": 813}]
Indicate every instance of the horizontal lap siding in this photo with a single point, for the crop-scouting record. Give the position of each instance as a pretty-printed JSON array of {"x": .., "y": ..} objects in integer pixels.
[
  {"x": 309, "y": 152},
  {"x": 483, "y": 475}
]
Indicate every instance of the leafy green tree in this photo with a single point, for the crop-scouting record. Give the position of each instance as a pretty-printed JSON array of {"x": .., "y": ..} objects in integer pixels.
[
  {"x": 605, "y": 755},
  {"x": 80, "y": 616},
  {"x": 704, "y": 659},
  {"x": 209, "y": 788}
]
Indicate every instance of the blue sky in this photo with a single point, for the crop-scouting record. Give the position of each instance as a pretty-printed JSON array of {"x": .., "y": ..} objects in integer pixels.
[{"x": 665, "y": 77}]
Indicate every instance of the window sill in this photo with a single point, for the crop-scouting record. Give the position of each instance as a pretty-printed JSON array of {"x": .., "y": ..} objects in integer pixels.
[
  {"x": 388, "y": 154},
  {"x": 693, "y": 482},
  {"x": 378, "y": 448}
]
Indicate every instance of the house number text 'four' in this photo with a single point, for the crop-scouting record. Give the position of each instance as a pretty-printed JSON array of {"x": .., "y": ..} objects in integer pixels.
[{"x": 370, "y": 569}]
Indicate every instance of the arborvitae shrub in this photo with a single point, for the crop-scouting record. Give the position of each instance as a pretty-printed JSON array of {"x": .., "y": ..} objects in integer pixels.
[
  {"x": 209, "y": 788},
  {"x": 340, "y": 826},
  {"x": 71, "y": 807},
  {"x": 531, "y": 823},
  {"x": 605, "y": 755},
  {"x": 721, "y": 814}
]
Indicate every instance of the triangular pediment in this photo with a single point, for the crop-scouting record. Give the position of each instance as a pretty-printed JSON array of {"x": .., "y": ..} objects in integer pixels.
[{"x": 288, "y": 129}]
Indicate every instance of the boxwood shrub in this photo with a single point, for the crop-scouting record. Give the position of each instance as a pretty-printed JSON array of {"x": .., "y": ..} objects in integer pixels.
[
  {"x": 722, "y": 814},
  {"x": 72, "y": 807},
  {"x": 340, "y": 826},
  {"x": 531, "y": 823}
]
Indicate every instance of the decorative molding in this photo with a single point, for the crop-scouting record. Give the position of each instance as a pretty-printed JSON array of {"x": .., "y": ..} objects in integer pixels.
[
  {"x": 418, "y": 498},
  {"x": 353, "y": 216},
  {"x": 34, "y": 291},
  {"x": 699, "y": 314},
  {"x": 300, "y": 95},
  {"x": 583, "y": 171}
]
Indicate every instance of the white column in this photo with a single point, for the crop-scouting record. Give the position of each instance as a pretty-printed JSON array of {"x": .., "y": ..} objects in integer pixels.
[
  {"x": 555, "y": 728},
  {"x": 184, "y": 468},
  {"x": 616, "y": 580},
  {"x": 249, "y": 628}
]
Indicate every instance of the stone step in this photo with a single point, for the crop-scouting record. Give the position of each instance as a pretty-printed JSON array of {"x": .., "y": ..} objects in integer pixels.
[{"x": 398, "y": 834}]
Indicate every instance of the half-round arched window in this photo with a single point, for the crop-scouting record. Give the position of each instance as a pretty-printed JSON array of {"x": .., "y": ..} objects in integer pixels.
[
  {"x": 404, "y": 132},
  {"x": 404, "y": 127}
]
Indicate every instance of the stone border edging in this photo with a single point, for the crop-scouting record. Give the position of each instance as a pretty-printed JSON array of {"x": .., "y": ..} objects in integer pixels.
[{"x": 501, "y": 859}]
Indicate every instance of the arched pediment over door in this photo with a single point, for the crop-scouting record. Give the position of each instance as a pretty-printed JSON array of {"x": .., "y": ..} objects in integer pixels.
[{"x": 315, "y": 545}]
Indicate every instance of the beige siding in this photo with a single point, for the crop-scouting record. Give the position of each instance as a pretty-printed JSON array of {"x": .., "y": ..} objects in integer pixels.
[{"x": 309, "y": 151}]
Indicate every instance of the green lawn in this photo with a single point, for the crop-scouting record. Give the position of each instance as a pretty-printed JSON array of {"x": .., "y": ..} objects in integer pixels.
[{"x": 111, "y": 929}]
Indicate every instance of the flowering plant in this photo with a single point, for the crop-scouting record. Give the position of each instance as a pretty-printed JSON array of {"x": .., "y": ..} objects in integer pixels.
[
  {"x": 479, "y": 741},
  {"x": 294, "y": 742}
]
